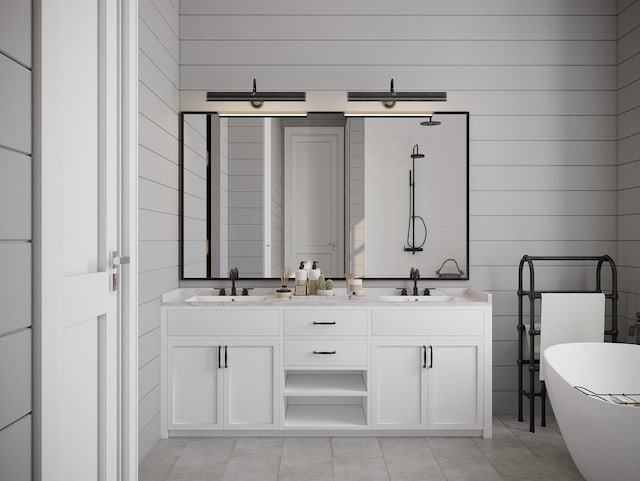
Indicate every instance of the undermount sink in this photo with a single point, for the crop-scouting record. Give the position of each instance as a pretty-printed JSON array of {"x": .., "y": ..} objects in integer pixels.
[
  {"x": 417, "y": 298},
  {"x": 227, "y": 299}
]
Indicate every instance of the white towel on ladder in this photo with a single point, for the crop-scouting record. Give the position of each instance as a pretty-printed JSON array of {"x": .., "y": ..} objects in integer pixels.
[{"x": 566, "y": 318}]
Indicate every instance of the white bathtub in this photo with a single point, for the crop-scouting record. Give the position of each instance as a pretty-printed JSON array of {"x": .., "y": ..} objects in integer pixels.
[{"x": 602, "y": 437}]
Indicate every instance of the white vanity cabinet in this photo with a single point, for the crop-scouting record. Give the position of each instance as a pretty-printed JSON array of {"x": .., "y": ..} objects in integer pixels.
[
  {"x": 318, "y": 366},
  {"x": 428, "y": 369},
  {"x": 215, "y": 382}
]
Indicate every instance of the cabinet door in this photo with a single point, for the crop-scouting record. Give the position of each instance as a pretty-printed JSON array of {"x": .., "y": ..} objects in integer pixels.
[
  {"x": 399, "y": 385},
  {"x": 251, "y": 384},
  {"x": 454, "y": 384},
  {"x": 195, "y": 385}
]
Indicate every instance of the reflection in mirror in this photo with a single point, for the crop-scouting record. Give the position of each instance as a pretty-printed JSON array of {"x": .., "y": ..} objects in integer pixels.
[{"x": 328, "y": 188}]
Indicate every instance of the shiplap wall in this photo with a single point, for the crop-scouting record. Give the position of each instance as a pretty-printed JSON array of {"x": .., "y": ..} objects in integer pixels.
[
  {"x": 539, "y": 79},
  {"x": 277, "y": 197},
  {"x": 15, "y": 240},
  {"x": 629, "y": 160},
  {"x": 194, "y": 200},
  {"x": 356, "y": 219},
  {"x": 158, "y": 197},
  {"x": 246, "y": 198}
]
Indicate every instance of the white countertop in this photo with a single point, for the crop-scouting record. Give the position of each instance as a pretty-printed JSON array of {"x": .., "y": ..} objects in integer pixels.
[{"x": 372, "y": 297}]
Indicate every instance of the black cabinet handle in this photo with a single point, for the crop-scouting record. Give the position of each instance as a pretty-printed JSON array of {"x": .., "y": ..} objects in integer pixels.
[
  {"x": 324, "y": 323},
  {"x": 430, "y": 357},
  {"x": 226, "y": 365},
  {"x": 424, "y": 356},
  {"x": 324, "y": 352},
  {"x": 219, "y": 362}
]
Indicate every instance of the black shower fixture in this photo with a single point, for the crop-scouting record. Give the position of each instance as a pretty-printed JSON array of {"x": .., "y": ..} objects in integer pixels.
[{"x": 411, "y": 245}]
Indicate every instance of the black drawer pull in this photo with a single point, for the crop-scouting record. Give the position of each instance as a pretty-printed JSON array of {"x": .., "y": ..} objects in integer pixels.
[
  {"x": 226, "y": 364},
  {"x": 324, "y": 323},
  {"x": 219, "y": 361},
  {"x": 424, "y": 357},
  {"x": 324, "y": 352},
  {"x": 430, "y": 356}
]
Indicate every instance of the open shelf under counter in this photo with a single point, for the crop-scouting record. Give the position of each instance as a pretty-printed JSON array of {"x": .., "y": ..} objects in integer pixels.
[
  {"x": 325, "y": 416},
  {"x": 325, "y": 383}
]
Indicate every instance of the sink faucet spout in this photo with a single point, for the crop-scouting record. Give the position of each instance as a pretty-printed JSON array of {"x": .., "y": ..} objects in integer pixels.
[
  {"x": 233, "y": 275},
  {"x": 414, "y": 275}
]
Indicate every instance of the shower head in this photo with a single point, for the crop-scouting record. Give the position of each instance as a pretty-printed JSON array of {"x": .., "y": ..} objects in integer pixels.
[
  {"x": 430, "y": 122},
  {"x": 415, "y": 154}
]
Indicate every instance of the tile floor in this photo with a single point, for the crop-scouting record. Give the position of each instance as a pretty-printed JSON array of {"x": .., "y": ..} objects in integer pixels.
[{"x": 513, "y": 454}]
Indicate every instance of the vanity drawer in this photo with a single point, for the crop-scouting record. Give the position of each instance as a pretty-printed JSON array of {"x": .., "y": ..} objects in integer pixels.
[
  {"x": 426, "y": 323},
  {"x": 325, "y": 323},
  {"x": 231, "y": 322},
  {"x": 340, "y": 353}
]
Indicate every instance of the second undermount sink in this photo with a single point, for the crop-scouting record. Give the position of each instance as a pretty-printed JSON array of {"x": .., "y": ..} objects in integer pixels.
[
  {"x": 417, "y": 298},
  {"x": 227, "y": 299}
]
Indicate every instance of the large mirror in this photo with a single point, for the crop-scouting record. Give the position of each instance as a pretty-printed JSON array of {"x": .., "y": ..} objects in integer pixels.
[{"x": 373, "y": 196}]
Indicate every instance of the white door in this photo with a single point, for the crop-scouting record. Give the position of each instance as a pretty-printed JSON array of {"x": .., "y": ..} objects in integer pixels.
[
  {"x": 399, "y": 384},
  {"x": 76, "y": 158},
  {"x": 251, "y": 385},
  {"x": 314, "y": 197},
  {"x": 194, "y": 394},
  {"x": 454, "y": 384}
]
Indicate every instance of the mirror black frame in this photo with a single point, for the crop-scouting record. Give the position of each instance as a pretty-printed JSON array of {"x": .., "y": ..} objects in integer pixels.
[{"x": 465, "y": 276}]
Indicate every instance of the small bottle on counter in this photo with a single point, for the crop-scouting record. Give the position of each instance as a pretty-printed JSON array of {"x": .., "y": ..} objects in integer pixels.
[
  {"x": 314, "y": 275},
  {"x": 301, "y": 280}
]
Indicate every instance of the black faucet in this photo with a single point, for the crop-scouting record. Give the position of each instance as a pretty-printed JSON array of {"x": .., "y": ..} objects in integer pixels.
[
  {"x": 233, "y": 275},
  {"x": 414, "y": 275}
]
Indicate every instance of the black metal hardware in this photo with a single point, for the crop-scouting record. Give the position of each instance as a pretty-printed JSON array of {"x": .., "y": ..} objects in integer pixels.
[
  {"x": 389, "y": 98},
  {"x": 221, "y": 291},
  {"x": 226, "y": 364},
  {"x": 533, "y": 364},
  {"x": 324, "y": 323},
  {"x": 411, "y": 244},
  {"x": 403, "y": 290},
  {"x": 256, "y": 98},
  {"x": 414, "y": 275},
  {"x": 245, "y": 290},
  {"x": 427, "y": 291},
  {"x": 430, "y": 357},
  {"x": 219, "y": 363},
  {"x": 233, "y": 276},
  {"x": 424, "y": 357},
  {"x": 324, "y": 352}
]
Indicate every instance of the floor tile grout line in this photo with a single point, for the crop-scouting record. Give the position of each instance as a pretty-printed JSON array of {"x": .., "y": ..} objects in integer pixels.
[
  {"x": 426, "y": 441},
  {"x": 175, "y": 461},
  {"x": 333, "y": 466},
  {"x": 284, "y": 440},
  {"x": 235, "y": 442},
  {"x": 386, "y": 465}
]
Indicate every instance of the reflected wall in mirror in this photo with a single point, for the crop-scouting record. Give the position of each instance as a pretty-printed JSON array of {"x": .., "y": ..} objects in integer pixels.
[{"x": 373, "y": 196}]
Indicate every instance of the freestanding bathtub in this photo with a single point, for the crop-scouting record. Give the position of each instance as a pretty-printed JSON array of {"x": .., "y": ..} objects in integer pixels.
[{"x": 602, "y": 437}]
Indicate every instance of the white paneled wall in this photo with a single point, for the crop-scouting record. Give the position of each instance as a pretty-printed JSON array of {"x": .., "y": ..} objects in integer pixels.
[
  {"x": 539, "y": 79},
  {"x": 246, "y": 196},
  {"x": 277, "y": 197},
  {"x": 15, "y": 240},
  {"x": 158, "y": 196},
  {"x": 629, "y": 160},
  {"x": 356, "y": 218}
]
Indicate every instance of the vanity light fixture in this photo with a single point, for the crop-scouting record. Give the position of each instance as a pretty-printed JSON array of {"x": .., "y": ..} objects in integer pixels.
[
  {"x": 262, "y": 114},
  {"x": 390, "y": 98},
  {"x": 257, "y": 99}
]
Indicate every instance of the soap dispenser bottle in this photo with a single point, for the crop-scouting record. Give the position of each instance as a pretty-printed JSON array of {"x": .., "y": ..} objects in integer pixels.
[
  {"x": 301, "y": 280},
  {"x": 314, "y": 275}
]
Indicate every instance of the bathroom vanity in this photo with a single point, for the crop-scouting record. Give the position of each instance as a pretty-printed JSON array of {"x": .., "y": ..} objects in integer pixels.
[{"x": 397, "y": 365}]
